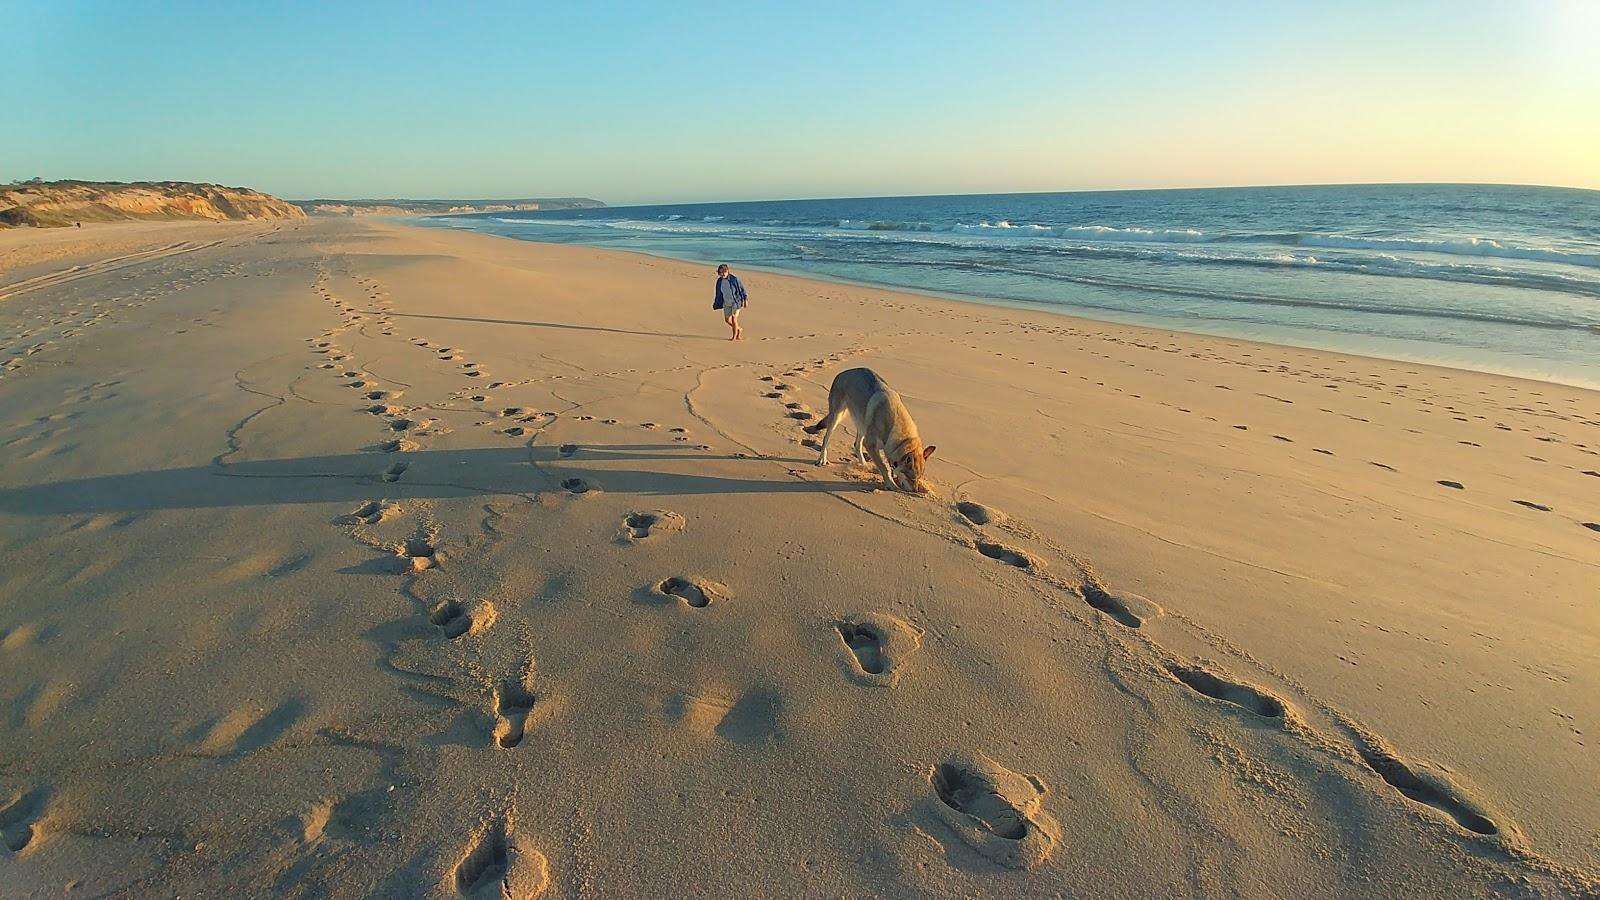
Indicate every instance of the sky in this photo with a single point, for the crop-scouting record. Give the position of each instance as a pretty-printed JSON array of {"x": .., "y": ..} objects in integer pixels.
[{"x": 646, "y": 102}]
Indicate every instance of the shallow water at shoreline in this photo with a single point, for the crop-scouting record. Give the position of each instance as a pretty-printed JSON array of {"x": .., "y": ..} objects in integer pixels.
[{"x": 1494, "y": 278}]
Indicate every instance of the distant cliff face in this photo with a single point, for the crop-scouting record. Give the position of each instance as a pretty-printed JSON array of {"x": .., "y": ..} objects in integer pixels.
[
  {"x": 56, "y": 203},
  {"x": 437, "y": 207}
]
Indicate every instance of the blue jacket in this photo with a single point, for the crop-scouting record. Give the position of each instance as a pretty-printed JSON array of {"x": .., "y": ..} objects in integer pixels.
[{"x": 738, "y": 291}]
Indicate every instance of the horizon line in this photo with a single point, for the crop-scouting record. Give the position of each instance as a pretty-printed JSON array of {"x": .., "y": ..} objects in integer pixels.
[{"x": 1211, "y": 187}]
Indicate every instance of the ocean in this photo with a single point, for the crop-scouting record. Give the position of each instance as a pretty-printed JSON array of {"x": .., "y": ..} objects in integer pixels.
[{"x": 1496, "y": 278}]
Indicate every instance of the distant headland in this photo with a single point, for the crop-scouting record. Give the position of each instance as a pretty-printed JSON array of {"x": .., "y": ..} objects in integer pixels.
[
  {"x": 48, "y": 204},
  {"x": 399, "y": 207}
]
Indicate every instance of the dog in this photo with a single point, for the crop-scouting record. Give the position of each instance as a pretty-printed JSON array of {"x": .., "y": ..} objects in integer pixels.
[{"x": 882, "y": 426}]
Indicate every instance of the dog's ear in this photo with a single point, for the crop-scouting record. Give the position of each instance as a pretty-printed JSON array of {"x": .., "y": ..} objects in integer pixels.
[{"x": 927, "y": 452}]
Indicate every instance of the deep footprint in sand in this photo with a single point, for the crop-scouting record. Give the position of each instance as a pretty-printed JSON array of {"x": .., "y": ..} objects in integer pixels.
[
  {"x": 577, "y": 485},
  {"x": 567, "y": 449},
  {"x": 1129, "y": 612},
  {"x": 455, "y": 618},
  {"x": 513, "y": 703},
  {"x": 692, "y": 591},
  {"x": 1008, "y": 555},
  {"x": 394, "y": 471},
  {"x": 498, "y": 865},
  {"x": 1429, "y": 788},
  {"x": 978, "y": 514},
  {"x": 1245, "y": 696},
  {"x": 1532, "y": 505},
  {"x": 373, "y": 511},
  {"x": 879, "y": 646},
  {"x": 645, "y": 525},
  {"x": 420, "y": 553},
  {"x": 996, "y": 811},
  {"x": 19, "y": 818},
  {"x": 865, "y": 643}
]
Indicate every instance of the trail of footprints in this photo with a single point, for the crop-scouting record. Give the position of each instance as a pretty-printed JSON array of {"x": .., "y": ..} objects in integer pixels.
[{"x": 998, "y": 812}]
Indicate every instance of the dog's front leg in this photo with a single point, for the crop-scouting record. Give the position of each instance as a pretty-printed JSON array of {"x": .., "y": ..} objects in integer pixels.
[{"x": 883, "y": 468}]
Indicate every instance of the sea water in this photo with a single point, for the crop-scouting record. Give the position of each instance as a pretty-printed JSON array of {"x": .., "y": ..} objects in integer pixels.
[{"x": 1491, "y": 277}]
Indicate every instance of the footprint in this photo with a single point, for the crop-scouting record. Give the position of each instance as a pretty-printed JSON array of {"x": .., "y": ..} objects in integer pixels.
[
  {"x": 1452, "y": 484},
  {"x": 978, "y": 514},
  {"x": 692, "y": 590},
  {"x": 455, "y": 619},
  {"x": 879, "y": 645},
  {"x": 1007, "y": 555},
  {"x": 1592, "y": 526},
  {"x": 865, "y": 642},
  {"x": 576, "y": 485},
  {"x": 1119, "y": 609},
  {"x": 372, "y": 511},
  {"x": 395, "y": 470},
  {"x": 399, "y": 445},
  {"x": 794, "y": 405},
  {"x": 514, "y": 431},
  {"x": 996, "y": 811},
  {"x": 642, "y": 526},
  {"x": 1428, "y": 788},
  {"x": 400, "y": 424},
  {"x": 513, "y": 702},
  {"x": 19, "y": 817},
  {"x": 801, "y": 416},
  {"x": 498, "y": 865},
  {"x": 1532, "y": 505},
  {"x": 1247, "y": 697},
  {"x": 567, "y": 449},
  {"x": 420, "y": 551}
]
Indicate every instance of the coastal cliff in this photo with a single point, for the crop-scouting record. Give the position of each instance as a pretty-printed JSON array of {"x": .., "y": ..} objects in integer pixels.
[
  {"x": 57, "y": 203},
  {"x": 438, "y": 207}
]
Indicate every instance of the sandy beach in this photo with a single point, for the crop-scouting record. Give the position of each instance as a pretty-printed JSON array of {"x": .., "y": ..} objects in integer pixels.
[{"x": 349, "y": 558}]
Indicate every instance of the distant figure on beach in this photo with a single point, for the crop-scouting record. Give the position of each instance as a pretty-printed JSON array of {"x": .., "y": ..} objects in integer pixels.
[{"x": 731, "y": 298}]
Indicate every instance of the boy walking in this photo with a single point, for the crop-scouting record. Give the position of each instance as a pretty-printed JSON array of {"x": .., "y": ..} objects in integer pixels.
[{"x": 731, "y": 298}]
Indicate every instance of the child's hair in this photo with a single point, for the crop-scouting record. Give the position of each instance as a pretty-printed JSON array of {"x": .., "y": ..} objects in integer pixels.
[{"x": 722, "y": 268}]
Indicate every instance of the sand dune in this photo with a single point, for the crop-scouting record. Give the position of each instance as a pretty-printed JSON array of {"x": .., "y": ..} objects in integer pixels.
[{"x": 345, "y": 558}]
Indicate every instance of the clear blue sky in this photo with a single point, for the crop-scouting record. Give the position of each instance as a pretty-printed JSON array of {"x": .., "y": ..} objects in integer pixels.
[{"x": 655, "y": 102}]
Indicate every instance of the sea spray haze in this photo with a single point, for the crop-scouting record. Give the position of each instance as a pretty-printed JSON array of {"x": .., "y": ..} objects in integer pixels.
[{"x": 1501, "y": 278}]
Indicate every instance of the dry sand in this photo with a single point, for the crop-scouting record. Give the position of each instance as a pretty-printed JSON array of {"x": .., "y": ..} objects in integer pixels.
[{"x": 346, "y": 558}]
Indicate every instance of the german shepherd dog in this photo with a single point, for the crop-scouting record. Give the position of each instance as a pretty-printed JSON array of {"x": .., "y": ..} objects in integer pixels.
[{"x": 882, "y": 426}]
